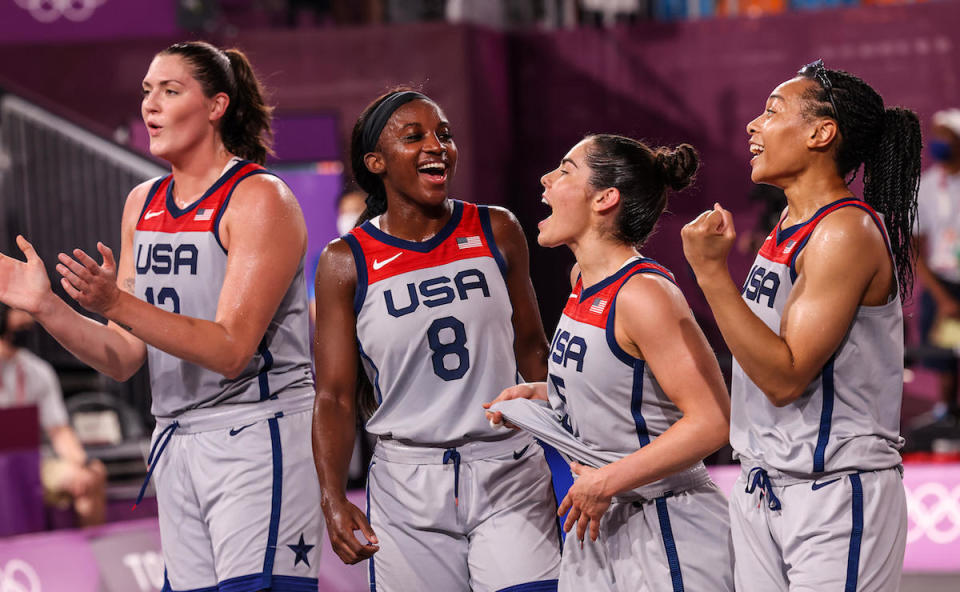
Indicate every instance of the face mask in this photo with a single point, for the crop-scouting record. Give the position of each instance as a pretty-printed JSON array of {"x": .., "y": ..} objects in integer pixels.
[
  {"x": 345, "y": 223},
  {"x": 941, "y": 151}
]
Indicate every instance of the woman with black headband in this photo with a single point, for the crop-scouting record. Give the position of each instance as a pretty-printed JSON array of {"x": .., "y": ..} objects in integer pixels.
[
  {"x": 209, "y": 287},
  {"x": 432, "y": 297},
  {"x": 817, "y": 338}
]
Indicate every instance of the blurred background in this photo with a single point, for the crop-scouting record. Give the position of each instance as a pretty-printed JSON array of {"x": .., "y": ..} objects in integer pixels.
[{"x": 521, "y": 81}]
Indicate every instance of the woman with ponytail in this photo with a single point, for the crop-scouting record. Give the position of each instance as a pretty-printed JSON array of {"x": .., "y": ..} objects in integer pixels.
[
  {"x": 209, "y": 287},
  {"x": 433, "y": 296},
  {"x": 817, "y": 338},
  {"x": 631, "y": 376}
]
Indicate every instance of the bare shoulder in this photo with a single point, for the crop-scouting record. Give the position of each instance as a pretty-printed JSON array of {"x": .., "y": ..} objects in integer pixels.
[
  {"x": 137, "y": 198},
  {"x": 651, "y": 298},
  {"x": 504, "y": 223},
  {"x": 336, "y": 264},
  {"x": 265, "y": 195},
  {"x": 848, "y": 230}
]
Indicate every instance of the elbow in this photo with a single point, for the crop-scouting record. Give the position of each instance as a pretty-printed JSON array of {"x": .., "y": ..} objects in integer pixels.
[
  {"x": 783, "y": 396},
  {"x": 232, "y": 365}
]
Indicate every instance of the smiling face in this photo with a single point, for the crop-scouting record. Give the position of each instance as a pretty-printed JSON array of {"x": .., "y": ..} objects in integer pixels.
[
  {"x": 416, "y": 156},
  {"x": 177, "y": 114},
  {"x": 778, "y": 137},
  {"x": 567, "y": 191}
]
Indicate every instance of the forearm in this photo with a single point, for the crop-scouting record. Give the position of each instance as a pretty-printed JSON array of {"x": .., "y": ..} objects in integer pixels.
[
  {"x": 334, "y": 432},
  {"x": 685, "y": 443},
  {"x": 206, "y": 343},
  {"x": 762, "y": 354},
  {"x": 66, "y": 445},
  {"x": 100, "y": 346}
]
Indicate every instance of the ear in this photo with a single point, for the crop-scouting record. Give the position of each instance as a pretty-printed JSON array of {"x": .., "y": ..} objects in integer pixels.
[
  {"x": 218, "y": 106},
  {"x": 374, "y": 162},
  {"x": 606, "y": 200},
  {"x": 823, "y": 132}
]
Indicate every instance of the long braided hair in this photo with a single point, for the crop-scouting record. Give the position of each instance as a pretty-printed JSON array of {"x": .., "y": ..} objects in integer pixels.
[{"x": 887, "y": 143}]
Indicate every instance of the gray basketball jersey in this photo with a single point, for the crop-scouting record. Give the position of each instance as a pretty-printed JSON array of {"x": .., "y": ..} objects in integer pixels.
[
  {"x": 434, "y": 329},
  {"x": 849, "y": 416},
  {"x": 602, "y": 395},
  {"x": 181, "y": 265}
]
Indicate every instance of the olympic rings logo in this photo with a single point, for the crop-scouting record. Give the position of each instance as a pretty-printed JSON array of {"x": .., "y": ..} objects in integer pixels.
[
  {"x": 933, "y": 511},
  {"x": 19, "y": 576},
  {"x": 47, "y": 11}
]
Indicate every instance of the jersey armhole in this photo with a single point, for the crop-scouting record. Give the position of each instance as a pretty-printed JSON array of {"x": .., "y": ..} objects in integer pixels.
[
  {"x": 361, "y": 264},
  {"x": 485, "y": 223},
  {"x": 226, "y": 202},
  {"x": 150, "y": 195}
]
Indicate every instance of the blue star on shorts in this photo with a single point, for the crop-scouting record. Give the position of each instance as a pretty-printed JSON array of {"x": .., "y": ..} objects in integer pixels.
[{"x": 301, "y": 550}]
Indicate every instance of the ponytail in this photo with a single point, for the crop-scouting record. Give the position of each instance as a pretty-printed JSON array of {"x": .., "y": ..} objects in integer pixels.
[
  {"x": 891, "y": 179},
  {"x": 887, "y": 143},
  {"x": 245, "y": 127}
]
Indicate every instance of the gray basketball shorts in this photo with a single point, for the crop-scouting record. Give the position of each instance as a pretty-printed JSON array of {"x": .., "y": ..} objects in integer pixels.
[
  {"x": 478, "y": 517},
  {"x": 239, "y": 499},
  {"x": 840, "y": 532},
  {"x": 677, "y": 542}
]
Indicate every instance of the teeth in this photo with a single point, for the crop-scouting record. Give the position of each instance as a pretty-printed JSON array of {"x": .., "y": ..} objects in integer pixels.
[
  {"x": 756, "y": 149},
  {"x": 436, "y": 168},
  {"x": 544, "y": 200}
]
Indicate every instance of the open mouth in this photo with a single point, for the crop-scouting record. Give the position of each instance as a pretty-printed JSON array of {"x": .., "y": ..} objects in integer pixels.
[
  {"x": 435, "y": 172},
  {"x": 756, "y": 150},
  {"x": 153, "y": 129},
  {"x": 544, "y": 221}
]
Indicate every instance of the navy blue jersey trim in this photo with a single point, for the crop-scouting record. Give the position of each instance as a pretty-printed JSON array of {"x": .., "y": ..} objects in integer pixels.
[
  {"x": 610, "y": 330},
  {"x": 275, "y": 502},
  {"x": 826, "y": 415},
  {"x": 176, "y": 212},
  {"x": 669, "y": 544},
  {"x": 487, "y": 226},
  {"x": 226, "y": 201},
  {"x": 420, "y": 247},
  {"x": 588, "y": 292},
  {"x": 151, "y": 194},
  {"x": 293, "y": 584},
  {"x": 856, "y": 534},
  {"x": 372, "y": 571},
  {"x": 538, "y": 586},
  {"x": 376, "y": 373},
  {"x": 360, "y": 294},
  {"x": 785, "y": 233},
  {"x": 263, "y": 376},
  {"x": 636, "y": 403},
  {"x": 167, "y": 588},
  {"x": 849, "y": 202},
  {"x": 248, "y": 583}
]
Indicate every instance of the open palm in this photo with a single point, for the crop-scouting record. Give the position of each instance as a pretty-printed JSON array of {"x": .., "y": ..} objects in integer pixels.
[{"x": 23, "y": 284}]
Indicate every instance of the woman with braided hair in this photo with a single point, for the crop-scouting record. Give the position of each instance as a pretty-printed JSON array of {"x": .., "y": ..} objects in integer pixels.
[
  {"x": 433, "y": 296},
  {"x": 817, "y": 338}
]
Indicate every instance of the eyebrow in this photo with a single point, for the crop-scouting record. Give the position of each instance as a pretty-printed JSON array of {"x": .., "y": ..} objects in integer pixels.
[
  {"x": 775, "y": 96},
  {"x": 565, "y": 160}
]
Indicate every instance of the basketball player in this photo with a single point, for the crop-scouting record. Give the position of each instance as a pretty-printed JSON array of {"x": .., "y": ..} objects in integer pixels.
[
  {"x": 209, "y": 287},
  {"x": 433, "y": 296},
  {"x": 631, "y": 373},
  {"x": 817, "y": 337}
]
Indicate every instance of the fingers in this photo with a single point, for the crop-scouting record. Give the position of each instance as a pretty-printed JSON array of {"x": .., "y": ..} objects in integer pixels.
[
  {"x": 73, "y": 278},
  {"x": 87, "y": 261},
  {"x": 107, "y": 253},
  {"x": 572, "y": 516},
  {"x": 564, "y": 505},
  {"x": 594, "y": 529},
  {"x": 70, "y": 290},
  {"x": 26, "y": 248},
  {"x": 582, "y": 525},
  {"x": 576, "y": 468},
  {"x": 366, "y": 529}
]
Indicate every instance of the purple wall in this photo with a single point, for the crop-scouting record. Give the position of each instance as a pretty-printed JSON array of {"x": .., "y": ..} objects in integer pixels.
[
  {"x": 519, "y": 100},
  {"x": 63, "y": 22}
]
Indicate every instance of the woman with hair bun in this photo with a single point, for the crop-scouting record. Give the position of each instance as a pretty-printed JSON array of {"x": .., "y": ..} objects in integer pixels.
[
  {"x": 631, "y": 375},
  {"x": 816, "y": 334},
  {"x": 209, "y": 287}
]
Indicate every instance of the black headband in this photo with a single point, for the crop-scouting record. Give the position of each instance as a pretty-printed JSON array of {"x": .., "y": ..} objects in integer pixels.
[{"x": 373, "y": 126}]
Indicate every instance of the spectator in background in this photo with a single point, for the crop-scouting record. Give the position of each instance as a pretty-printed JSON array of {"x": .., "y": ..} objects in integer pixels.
[
  {"x": 938, "y": 238},
  {"x": 70, "y": 475},
  {"x": 350, "y": 204}
]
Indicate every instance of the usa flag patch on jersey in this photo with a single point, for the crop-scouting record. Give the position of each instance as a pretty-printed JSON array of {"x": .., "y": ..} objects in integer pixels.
[
  {"x": 469, "y": 242},
  {"x": 598, "y": 305},
  {"x": 203, "y": 214}
]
